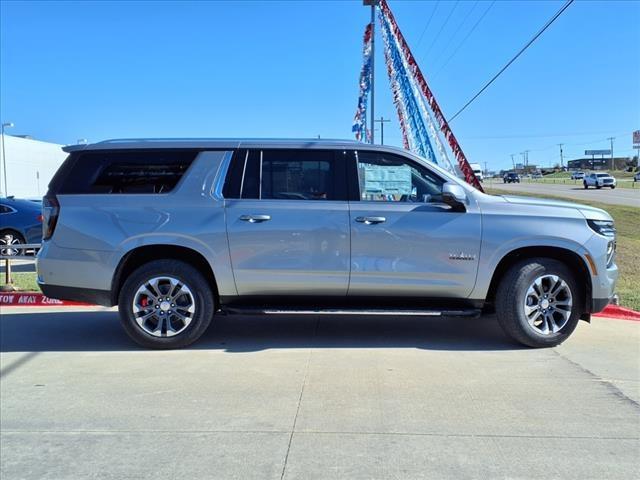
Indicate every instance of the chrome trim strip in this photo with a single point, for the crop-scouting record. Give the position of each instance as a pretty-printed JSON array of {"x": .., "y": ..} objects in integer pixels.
[
  {"x": 260, "y": 184},
  {"x": 423, "y": 313},
  {"x": 244, "y": 169}
]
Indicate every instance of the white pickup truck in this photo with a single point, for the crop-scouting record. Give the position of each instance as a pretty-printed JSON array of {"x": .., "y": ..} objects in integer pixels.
[{"x": 477, "y": 171}]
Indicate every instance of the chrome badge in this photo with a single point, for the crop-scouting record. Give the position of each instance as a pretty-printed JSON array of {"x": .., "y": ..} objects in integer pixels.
[{"x": 461, "y": 256}]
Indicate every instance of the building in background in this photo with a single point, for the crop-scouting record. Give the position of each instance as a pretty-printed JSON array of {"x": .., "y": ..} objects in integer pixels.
[
  {"x": 619, "y": 163},
  {"x": 30, "y": 165}
]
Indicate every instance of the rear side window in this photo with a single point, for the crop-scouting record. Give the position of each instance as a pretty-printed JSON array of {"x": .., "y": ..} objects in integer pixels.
[
  {"x": 286, "y": 174},
  {"x": 131, "y": 172}
]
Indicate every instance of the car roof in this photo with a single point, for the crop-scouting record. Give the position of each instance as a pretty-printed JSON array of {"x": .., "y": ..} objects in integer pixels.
[
  {"x": 214, "y": 143},
  {"x": 19, "y": 202}
]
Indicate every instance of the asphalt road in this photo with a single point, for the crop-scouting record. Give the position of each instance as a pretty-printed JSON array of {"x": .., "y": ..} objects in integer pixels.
[
  {"x": 619, "y": 196},
  {"x": 309, "y": 397},
  {"x": 20, "y": 265}
]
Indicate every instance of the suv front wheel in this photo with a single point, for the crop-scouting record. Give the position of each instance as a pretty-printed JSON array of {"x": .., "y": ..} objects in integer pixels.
[
  {"x": 166, "y": 304},
  {"x": 538, "y": 302}
]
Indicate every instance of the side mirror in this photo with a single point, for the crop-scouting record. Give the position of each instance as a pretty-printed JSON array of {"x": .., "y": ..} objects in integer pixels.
[{"x": 454, "y": 195}]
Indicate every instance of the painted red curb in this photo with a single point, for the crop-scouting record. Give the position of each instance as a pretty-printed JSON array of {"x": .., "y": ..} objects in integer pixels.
[
  {"x": 621, "y": 313},
  {"x": 33, "y": 299}
]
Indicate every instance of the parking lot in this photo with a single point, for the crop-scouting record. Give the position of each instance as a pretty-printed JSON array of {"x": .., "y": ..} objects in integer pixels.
[{"x": 310, "y": 397}]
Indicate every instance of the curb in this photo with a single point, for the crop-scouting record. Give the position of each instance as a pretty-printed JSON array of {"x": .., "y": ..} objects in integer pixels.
[
  {"x": 34, "y": 299},
  {"x": 619, "y": 313}
]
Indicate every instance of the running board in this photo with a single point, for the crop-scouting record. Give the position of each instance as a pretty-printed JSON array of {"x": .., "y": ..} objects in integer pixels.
[{"x": 404, "y": 313}]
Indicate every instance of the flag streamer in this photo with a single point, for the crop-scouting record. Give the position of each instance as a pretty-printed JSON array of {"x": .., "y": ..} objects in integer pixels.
[
  {"x": 360, "y": 120},
  {"x": 415, "y": 72}
]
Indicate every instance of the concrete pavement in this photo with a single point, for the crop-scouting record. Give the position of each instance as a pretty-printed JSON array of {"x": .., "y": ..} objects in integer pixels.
[
  {"x": 310, "y": 397},
  {"x": 619, "y": 196}
]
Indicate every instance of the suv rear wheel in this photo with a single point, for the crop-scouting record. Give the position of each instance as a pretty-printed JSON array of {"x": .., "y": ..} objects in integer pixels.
[
  {"x": 538, "y": 302},
  {"x": 166, "y": 304}
]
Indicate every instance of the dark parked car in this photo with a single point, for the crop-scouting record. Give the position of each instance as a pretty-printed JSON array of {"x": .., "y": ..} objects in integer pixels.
[
  {"x": 20, "y": 222},
  {"x": 511, "y": 177}
]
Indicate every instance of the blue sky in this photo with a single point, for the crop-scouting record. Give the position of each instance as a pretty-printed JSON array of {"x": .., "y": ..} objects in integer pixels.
[{"x": 100, "y": 70}]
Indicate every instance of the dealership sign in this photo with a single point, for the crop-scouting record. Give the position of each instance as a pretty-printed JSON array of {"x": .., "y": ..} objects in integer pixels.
[
  {"x": 597, "y": 152},
  {"x": 636, "y": 139}
]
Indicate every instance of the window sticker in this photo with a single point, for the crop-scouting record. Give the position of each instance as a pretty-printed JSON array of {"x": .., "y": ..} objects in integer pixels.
[{"x": 385, "y": 181}]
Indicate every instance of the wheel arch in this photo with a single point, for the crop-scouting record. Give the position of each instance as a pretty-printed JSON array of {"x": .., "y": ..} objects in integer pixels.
[
  {"x": 570, "y": 258},
  {"x": 146, "y": 253}
]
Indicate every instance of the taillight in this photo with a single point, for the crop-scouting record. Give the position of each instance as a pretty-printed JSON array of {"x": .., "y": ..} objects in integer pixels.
[
  {"x": 40, "y": 218},
  {"x": 50, "y": 212}
]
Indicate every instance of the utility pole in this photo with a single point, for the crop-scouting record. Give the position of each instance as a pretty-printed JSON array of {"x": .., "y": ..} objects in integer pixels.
[
  {"x": 513, "y": 162},
  {"x": 561, "y": 158},
  {"x": 611, "y": 139},
  {"x": 372, "y": 4},
  {"x": 485, "y": 169},
  {"x": 382, "y": 121}
]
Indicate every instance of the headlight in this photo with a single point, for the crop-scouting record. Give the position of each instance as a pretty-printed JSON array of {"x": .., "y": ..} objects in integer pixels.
[
  {"x": 603, "y": 227},
  {"x": 607, "y": 229}
]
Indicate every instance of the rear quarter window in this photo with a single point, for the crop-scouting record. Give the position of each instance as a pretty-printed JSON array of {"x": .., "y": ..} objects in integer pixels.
[{"x": 130, "y": 172}]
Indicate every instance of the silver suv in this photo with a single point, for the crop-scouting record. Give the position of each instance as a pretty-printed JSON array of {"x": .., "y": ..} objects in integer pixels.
[{"x": 176, "y": 231}]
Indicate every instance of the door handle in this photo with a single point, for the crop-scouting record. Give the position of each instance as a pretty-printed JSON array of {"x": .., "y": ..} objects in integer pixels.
[
  {"x": 255, "y": 218},
  {"x": 371, "y": 220}
]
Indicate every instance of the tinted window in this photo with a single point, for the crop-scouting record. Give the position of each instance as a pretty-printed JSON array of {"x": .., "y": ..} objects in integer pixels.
[
  {"x": 298, "y": 175},
  {"x": 390, "y": 178},
  {"x": 287, "y": 174},
  {"x": 137, "y": 171},
  {"x": 5, "y": 209}
]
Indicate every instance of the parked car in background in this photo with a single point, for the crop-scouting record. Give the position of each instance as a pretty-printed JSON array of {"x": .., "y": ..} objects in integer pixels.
[
  {"x": 536, "y": 176},
  {"x": 577, "y": 175},
  {"x": 636, "y": 177},
  {"x": 599, "y": 180},
  {"x": 511, "y": 177},
  {"x": 20, "y": 222},
  {"x": 174, "y": 231}
]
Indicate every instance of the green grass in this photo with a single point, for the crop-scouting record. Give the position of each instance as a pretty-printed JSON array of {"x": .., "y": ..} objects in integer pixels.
[
  {"x": 622, "y": 183},
  {"x": 615, "y": 173},
  {"x": 23, "y": 281},
  {"x": 628, "y": 254}
]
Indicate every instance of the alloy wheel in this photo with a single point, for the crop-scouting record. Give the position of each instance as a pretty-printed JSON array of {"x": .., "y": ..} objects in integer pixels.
[
  {"x": 547, "y": 304},
  {"x": 7, "y": 240},
  {"x": 163, "y": 306}
]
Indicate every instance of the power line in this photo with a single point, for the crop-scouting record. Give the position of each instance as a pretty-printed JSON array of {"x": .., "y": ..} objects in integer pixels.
[
  {"x": 428, "y": 23},
  {"x": 453, "y": 54},
  {"x": 535, "y": 37},
  {"x": 442, "y": 28},
  {"x": 457, "y": 30}
]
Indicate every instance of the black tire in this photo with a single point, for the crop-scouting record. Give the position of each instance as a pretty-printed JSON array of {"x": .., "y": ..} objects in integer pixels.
[
  {"x": 612, "y": 187},
  {"x": 203, "y": 297},
  {"x": 585, "y": 185},
  {"x": 5, "y": 249},
  {"x": 511, "y": 295},
  {"x": 598, "y": 187}
]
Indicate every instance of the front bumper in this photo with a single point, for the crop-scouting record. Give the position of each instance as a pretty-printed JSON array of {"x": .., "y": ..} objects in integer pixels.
[{"x": 604, "y": 279}]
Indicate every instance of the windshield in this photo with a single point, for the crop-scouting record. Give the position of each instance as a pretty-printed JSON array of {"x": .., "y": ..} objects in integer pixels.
[{"x": 600, "y": 175}]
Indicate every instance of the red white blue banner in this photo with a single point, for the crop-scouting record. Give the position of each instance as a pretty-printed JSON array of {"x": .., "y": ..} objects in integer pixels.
[
  {"x": 413, "y": 70},
  {"x": 360, "y": 120}
]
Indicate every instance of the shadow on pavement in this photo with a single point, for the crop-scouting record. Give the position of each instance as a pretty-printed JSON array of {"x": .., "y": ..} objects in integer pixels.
[{"x": 101, "y": 331}]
